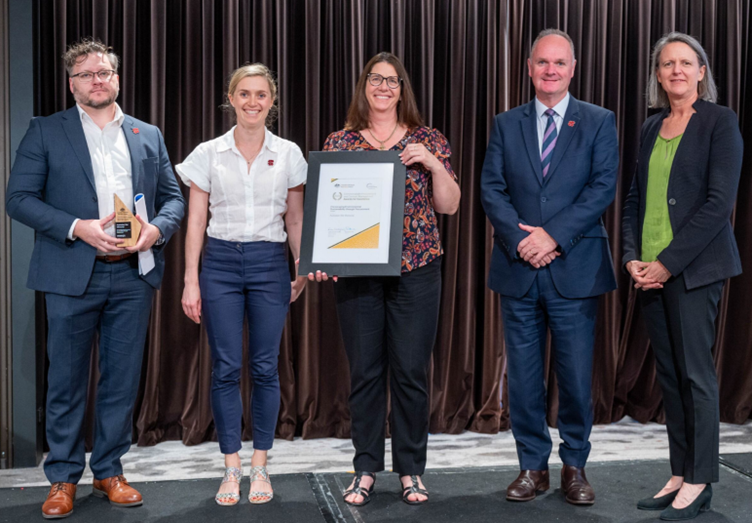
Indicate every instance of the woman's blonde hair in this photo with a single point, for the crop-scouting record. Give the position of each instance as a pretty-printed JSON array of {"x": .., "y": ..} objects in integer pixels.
[{"x": 246, "y": 71}]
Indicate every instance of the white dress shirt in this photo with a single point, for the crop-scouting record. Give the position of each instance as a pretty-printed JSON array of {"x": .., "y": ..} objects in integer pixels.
[
  {"x": 560, "y": 110},
  {"x": 111, "y": 165},
  {"x": 245, "y": 206}
]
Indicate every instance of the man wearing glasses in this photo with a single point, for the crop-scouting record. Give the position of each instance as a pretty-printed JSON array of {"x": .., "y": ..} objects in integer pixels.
[{"x": 68, "y": 168}]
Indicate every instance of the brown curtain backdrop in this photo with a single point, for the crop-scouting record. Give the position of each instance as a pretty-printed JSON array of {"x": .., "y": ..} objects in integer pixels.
[{"x": 467, "y": 61}]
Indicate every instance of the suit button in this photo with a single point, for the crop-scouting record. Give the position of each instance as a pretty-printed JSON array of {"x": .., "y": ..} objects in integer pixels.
[
  {"x": 544, "y": 199},
  {"x": 672, "y": 202},
  {"x": 94, "y": 198}
]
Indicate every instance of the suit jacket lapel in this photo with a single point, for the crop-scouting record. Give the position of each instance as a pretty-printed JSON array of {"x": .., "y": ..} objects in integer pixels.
[
  {"x": 133, "y": 138},
  {"x": 568, "y": 128},
  {"x": 74, "y": 129},
  {"x": 529, "y": 130}
]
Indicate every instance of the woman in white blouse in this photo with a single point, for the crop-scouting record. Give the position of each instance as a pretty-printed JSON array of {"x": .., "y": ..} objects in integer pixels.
[{"x": 252, "y": 183}]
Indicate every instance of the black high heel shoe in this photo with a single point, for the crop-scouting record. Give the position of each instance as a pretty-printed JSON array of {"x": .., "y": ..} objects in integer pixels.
[
  {"x": 657, "y": 503},
  {"x": 700, "y": 504}
]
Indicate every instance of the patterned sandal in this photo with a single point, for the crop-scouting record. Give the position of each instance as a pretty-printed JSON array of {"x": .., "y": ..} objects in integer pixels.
[
  {"x": 414, "y": 489},
  {"x": 360, "y": 491},
  {"x": 228, "y": 499},
  {"x": 260, "y": 473}
]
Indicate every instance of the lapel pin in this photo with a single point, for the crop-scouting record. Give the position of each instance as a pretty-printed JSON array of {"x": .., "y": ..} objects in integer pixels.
[
  {"x": 271, "y": 162},
  {"x": 570, "y": 123},
  {"x": 135, "y": 130}
]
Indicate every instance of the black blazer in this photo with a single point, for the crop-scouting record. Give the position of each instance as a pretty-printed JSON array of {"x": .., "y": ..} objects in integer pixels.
[{"x": 701, "y": 195}]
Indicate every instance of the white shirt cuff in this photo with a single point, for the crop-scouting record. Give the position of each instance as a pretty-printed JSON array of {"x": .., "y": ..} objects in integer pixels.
[{"x": 70, "y": 232}]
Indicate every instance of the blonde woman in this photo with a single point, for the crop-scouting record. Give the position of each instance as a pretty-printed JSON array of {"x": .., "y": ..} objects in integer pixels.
[{"x": 251, "y": 181}]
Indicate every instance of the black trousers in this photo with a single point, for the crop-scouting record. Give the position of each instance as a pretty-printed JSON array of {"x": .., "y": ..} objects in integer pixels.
[
  {"x": 389, "y": 324},
  {"x": 681, "y": 325}
]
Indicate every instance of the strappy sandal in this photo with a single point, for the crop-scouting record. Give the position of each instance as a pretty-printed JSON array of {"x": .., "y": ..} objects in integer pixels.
[
  {"x": 414, "y": 489},
  {"x": 228, "y": 499},
  {"x": 360, "y": 491},
  {"x": 260, "y": 473}
]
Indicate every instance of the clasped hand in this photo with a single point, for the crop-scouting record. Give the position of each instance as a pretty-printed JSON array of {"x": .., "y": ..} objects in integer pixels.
[
  {"x": 648, "y": 275},
  {"x": 539, "y": 248},
  {"x": 92, "y": 232}
]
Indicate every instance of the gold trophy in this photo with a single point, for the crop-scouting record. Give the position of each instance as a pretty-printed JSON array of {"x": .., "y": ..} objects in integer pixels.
[{"x": 127, "y": 227}]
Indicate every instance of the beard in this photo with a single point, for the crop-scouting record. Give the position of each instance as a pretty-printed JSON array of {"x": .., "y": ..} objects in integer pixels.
[
  {"x": 96, "y": 104},
  {"x": 101, "y": 103}
]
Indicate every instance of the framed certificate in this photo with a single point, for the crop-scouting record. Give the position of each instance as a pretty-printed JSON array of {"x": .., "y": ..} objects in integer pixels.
[{"x": 354, "y": 205}]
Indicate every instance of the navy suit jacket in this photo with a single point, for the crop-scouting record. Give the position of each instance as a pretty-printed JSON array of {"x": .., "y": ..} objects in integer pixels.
[
  {"x": 568, "y": 203},
  {"x": 52, "y": 183},
  {"x": 701, "y": 194}
]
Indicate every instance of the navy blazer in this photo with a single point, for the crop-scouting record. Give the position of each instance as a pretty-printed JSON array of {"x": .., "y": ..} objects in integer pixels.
[
  {"x": 701, "y": 194},
  {"x": 568, "y": 203},
  {"x": 52, "y": 183}
]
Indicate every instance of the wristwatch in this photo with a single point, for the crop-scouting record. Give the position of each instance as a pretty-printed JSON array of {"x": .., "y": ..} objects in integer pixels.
[{"x": 161, "y": 239}]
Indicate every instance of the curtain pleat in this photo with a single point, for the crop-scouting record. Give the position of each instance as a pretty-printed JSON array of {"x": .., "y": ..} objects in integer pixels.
[{"x": 467, "y": 62}]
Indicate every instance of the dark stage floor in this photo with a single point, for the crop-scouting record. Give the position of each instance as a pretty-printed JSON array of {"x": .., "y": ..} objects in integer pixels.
[
  {"x": 465, "y": 495},
  {"x": 739, "y": 462}
]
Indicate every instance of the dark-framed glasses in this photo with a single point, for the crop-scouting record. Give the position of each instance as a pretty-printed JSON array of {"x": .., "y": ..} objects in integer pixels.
[
  {"x": 392, "y": 82},
  {"x": 87, "y": 76}
]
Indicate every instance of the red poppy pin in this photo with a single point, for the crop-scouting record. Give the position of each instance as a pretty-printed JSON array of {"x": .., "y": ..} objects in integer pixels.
[
  {"x": 271, "y": 162},
  {"x": 570, "y": 123},
  {"x": 135, "y": 130}
]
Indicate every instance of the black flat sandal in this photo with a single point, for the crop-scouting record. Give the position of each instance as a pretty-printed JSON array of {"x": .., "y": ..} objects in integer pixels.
[
  {"x": 360, "y": 491},
  {"x": 414, "y": 489}
]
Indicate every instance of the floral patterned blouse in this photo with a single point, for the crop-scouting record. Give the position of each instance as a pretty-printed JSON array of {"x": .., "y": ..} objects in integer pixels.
[{"x": 420, "y": 241}]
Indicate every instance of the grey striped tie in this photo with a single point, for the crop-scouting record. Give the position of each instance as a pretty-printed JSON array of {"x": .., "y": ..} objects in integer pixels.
[{"x": 549, "y": 142}]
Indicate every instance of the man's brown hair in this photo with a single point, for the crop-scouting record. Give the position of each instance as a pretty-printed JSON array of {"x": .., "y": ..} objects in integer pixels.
[{"x": 78, "y": 51}]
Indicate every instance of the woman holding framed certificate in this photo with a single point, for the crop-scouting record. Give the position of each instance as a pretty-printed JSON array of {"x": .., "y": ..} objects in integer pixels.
[
  {"x": 251, "y": 181},
  {"x": 389, "y": 323}
]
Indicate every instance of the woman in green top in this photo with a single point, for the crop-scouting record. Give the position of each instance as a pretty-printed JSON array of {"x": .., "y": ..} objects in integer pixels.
[{"x": 679, "y": 248}]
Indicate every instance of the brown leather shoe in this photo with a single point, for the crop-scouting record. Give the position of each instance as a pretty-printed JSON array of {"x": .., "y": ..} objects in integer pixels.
[
  {"x": 59, "y": 502},
  {"x": 575, "y": 486},
  {"x": 527, "y": 484},
  {"x": 118, "y": 491}
]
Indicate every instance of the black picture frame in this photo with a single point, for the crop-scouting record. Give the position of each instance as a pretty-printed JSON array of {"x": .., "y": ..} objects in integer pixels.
[{"x": 393, "y": 267}]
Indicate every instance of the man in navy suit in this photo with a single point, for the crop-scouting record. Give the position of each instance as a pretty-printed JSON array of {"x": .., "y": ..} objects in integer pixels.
[
  {"x": 549, "y": 174},
  {"x": 68, "y": 168}
]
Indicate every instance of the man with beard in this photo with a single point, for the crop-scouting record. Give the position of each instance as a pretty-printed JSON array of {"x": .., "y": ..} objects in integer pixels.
[{"x": 68, "y": 168}]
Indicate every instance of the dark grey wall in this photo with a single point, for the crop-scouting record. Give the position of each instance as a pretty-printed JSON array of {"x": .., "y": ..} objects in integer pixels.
[{"x": 28, "y": 387}]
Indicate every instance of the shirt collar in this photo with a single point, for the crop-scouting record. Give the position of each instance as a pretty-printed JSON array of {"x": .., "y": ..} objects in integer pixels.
[
  {"x": 560, "y": 109},
  {"x": 119, "y": 116},
  {"x": 227, "y": 141}
]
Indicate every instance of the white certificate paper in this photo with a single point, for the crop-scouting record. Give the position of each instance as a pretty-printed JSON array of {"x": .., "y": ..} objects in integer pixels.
[
  {"x": 353, "y": 217},
  {"x": 145, "y": 258}
]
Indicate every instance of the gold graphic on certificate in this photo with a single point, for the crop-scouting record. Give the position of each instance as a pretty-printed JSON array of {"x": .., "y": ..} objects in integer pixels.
[{"x": 368, "y": 239}]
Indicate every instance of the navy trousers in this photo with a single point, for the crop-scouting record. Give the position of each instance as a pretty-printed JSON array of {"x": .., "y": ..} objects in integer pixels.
[
  {"x": 681, "y": 325},
  {"x": 572, "y": 326},
  {"x": 117, "y": 303},
  {"x": 240, "y": 280}
]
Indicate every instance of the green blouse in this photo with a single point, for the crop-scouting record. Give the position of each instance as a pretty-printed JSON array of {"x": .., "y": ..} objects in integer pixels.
[{"x": 656, "y": 229}]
